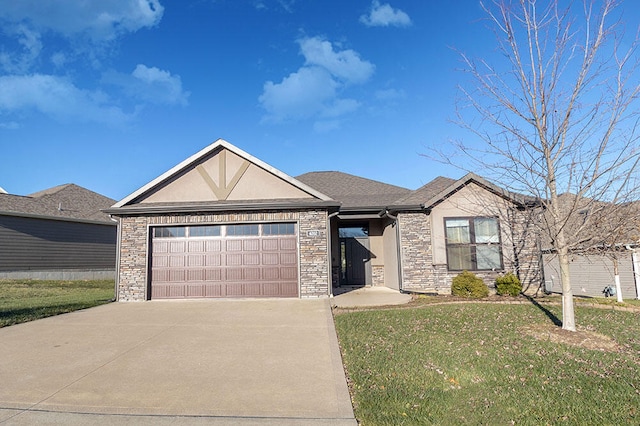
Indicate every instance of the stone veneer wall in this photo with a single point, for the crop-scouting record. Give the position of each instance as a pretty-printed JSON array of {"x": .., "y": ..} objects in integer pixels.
[
  {"x": 377, "y": 275},
  {"x": 421, "y": 275},
  {"x": 416, "y": 252},
  {"x": 313, "y": 246}
]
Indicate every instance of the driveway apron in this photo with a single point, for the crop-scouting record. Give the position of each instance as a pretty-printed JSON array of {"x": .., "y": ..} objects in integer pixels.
[{"x": 223, "y": 361}]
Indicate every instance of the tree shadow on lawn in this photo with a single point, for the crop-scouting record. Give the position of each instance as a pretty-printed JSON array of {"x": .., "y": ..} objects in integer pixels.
[{"x": 556, "y": 321}]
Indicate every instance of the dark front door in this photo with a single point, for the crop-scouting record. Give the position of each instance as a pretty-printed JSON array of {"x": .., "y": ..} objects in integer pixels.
[{"x": 354, "y": 256}]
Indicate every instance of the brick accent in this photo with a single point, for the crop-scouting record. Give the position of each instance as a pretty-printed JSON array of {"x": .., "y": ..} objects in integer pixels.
[{"x": 313, "y": 247}]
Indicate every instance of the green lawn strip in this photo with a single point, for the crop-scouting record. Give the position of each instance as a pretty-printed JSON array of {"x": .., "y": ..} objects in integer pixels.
[
  {"x": 27, "y": 300},
  {"x": 471, "y": 364}
]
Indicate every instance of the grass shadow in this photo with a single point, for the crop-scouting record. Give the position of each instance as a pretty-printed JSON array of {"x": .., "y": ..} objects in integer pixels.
[{"x": 556, "y": 321}]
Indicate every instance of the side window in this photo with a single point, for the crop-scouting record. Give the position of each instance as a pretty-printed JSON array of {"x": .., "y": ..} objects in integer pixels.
[{"x": 473, "y": 243}]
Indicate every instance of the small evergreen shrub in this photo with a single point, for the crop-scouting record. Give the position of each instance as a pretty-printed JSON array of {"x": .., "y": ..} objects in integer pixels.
[
  {"x": 468, "y": 284},
  {"x": 508, "y": 284}
]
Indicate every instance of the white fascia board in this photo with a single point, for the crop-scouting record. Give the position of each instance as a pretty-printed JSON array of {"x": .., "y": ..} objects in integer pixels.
[{"x": 207, "y": 150}]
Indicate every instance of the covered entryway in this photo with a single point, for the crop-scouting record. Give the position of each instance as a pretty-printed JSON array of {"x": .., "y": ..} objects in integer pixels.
[
  {"x": 233, "y": 260},
  {"x": 355, "y": 255}
]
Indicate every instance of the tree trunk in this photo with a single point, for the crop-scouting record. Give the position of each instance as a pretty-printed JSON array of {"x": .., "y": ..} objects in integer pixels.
[
  {"x": 616, "y": 279},
  {"x": 568, "y": 315}
]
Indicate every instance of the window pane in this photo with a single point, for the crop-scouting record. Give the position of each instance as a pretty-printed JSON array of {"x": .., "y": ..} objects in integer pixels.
[
  {"x": 242, "y": 230},
  {"x": 486, "y": 230},
  {"x": 278, "y": 229},
  {"x": 488, "y": 257},
  {"x": 459, "y": 258},
  {"x": 458, "y": 231},
  {"x": 169, "y": 232},
  {"x": 204, "y": 231},
  {"x": 354, "y": 231}
]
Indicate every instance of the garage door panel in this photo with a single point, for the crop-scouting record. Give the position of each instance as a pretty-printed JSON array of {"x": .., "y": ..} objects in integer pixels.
[
  {"x": 177, "y": 247},
  {"x": 213, "y": 274},
  {"x": 270, "y": 244},
  {"x": 195, "y": 260},
  {"x": 213, "y": 245},
  {"x": 176, "y": 261},
  {"x": 195, "y": 275},
  {"x": 233, "y": 245},
  {"x": 224, "y": 266},
  {"x": 176, "y": 275},
  {"x": 288, "y": 273},
  {"x": 233, "y": 274},
  {"x": 288, "y": 258},
  {"x": 287, "y": 244},
  {"x": 196, "y": 246},
  {"x": 251, "y": 244},
  {"x": 251, "y": 274},
  {"x": 233, "y": 260}
]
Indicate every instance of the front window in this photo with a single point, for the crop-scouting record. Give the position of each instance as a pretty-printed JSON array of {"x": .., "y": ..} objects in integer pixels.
[{"x": 473, "y": 243}]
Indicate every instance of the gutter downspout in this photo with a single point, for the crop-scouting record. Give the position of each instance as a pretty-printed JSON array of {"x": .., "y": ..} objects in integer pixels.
[
  {"x": 398, "y": 252},
  {"x": 636, "y": 269},
  {"x": 329, "y": 251}
]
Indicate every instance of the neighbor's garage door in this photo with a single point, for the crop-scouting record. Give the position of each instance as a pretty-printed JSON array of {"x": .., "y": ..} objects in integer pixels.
[{"x": 252, "y": 260}]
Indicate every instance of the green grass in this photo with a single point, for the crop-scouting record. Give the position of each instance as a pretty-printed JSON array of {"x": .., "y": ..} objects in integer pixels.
[
  {"x": 27, "y": 300},
  {"x": 473, "y": 364}
]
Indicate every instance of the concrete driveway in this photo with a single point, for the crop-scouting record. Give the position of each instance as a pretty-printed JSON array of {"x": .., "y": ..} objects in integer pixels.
[{"x": 177, "y": 362}]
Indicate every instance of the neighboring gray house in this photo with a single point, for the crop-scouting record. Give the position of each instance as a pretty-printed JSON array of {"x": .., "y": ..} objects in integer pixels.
[
  {"x": 222, "y": 223},
  {"x": 58, "y": 233}
]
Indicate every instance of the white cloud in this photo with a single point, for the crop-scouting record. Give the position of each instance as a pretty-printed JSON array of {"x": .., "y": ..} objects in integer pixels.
[
  {"x": 300, "y": 95},
  {"x": 314, "y": 90},
  {"x": 57, "y": 97},
  {"x": 30, "y": 45},
  {"x": 98, "y": 20},
  {"x": 345, "y": 65},
  {"x": 383, "y": 15},
  {"x": 149, "y": 84}
]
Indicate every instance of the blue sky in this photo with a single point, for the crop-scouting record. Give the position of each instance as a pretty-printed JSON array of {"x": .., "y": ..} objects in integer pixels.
[{"x": 111, "y": 94}]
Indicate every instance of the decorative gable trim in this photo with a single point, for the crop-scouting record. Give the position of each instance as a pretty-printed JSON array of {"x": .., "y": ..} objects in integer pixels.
[{"x": 224, "y": 188}]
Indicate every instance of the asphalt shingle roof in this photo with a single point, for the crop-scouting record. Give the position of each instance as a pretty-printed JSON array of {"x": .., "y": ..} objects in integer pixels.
[
  {"x": 353, "y": 191},
  {"x": 64, "y": 201},
  {"x": 426, "y": 192}
]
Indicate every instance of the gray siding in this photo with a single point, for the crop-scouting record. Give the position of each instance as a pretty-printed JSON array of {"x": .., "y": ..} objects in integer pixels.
[
  {"x": 590, "y": 275},
  {"x": 42, "y": 244}
]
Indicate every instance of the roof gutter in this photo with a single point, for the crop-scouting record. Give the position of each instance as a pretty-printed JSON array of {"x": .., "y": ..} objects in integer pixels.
[{"x": 141, "y": 209}]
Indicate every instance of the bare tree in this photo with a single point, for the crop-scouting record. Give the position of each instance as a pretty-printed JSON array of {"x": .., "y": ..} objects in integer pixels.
[{"x": 556, "y": 112}]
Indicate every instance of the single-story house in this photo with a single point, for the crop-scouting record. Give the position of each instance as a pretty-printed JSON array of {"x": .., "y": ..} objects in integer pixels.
[
  {"x": 223, "y": 223},
  {"x": 58, "y": 233}
]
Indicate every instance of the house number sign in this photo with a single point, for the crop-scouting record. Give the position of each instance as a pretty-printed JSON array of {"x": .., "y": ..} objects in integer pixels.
[{"x": 313, "y": 233}]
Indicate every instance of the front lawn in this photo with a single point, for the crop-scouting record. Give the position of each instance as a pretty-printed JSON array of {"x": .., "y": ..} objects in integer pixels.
[
  {"x": 27, "y": 300},
  {"x": 479, "y": 363}
]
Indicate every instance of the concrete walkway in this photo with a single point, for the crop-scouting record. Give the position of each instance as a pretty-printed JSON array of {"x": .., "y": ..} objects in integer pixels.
[
  {"x": 368, "y": 296},
  {"x": 247, "y": 362}
]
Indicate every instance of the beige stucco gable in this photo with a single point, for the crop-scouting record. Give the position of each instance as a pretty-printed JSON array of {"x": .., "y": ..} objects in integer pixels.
[
  {"x": 221, "y": 173},
  {"x": 225, "y": 176}
]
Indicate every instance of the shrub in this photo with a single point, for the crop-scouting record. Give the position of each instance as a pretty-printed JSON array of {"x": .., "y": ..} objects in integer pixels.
[
  {"x": 508, "y": 284},
  {"x": 468, "y": 284}
]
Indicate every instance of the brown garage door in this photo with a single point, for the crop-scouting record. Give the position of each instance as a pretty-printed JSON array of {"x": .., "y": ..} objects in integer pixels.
[{"x": 249, "y": 260}]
